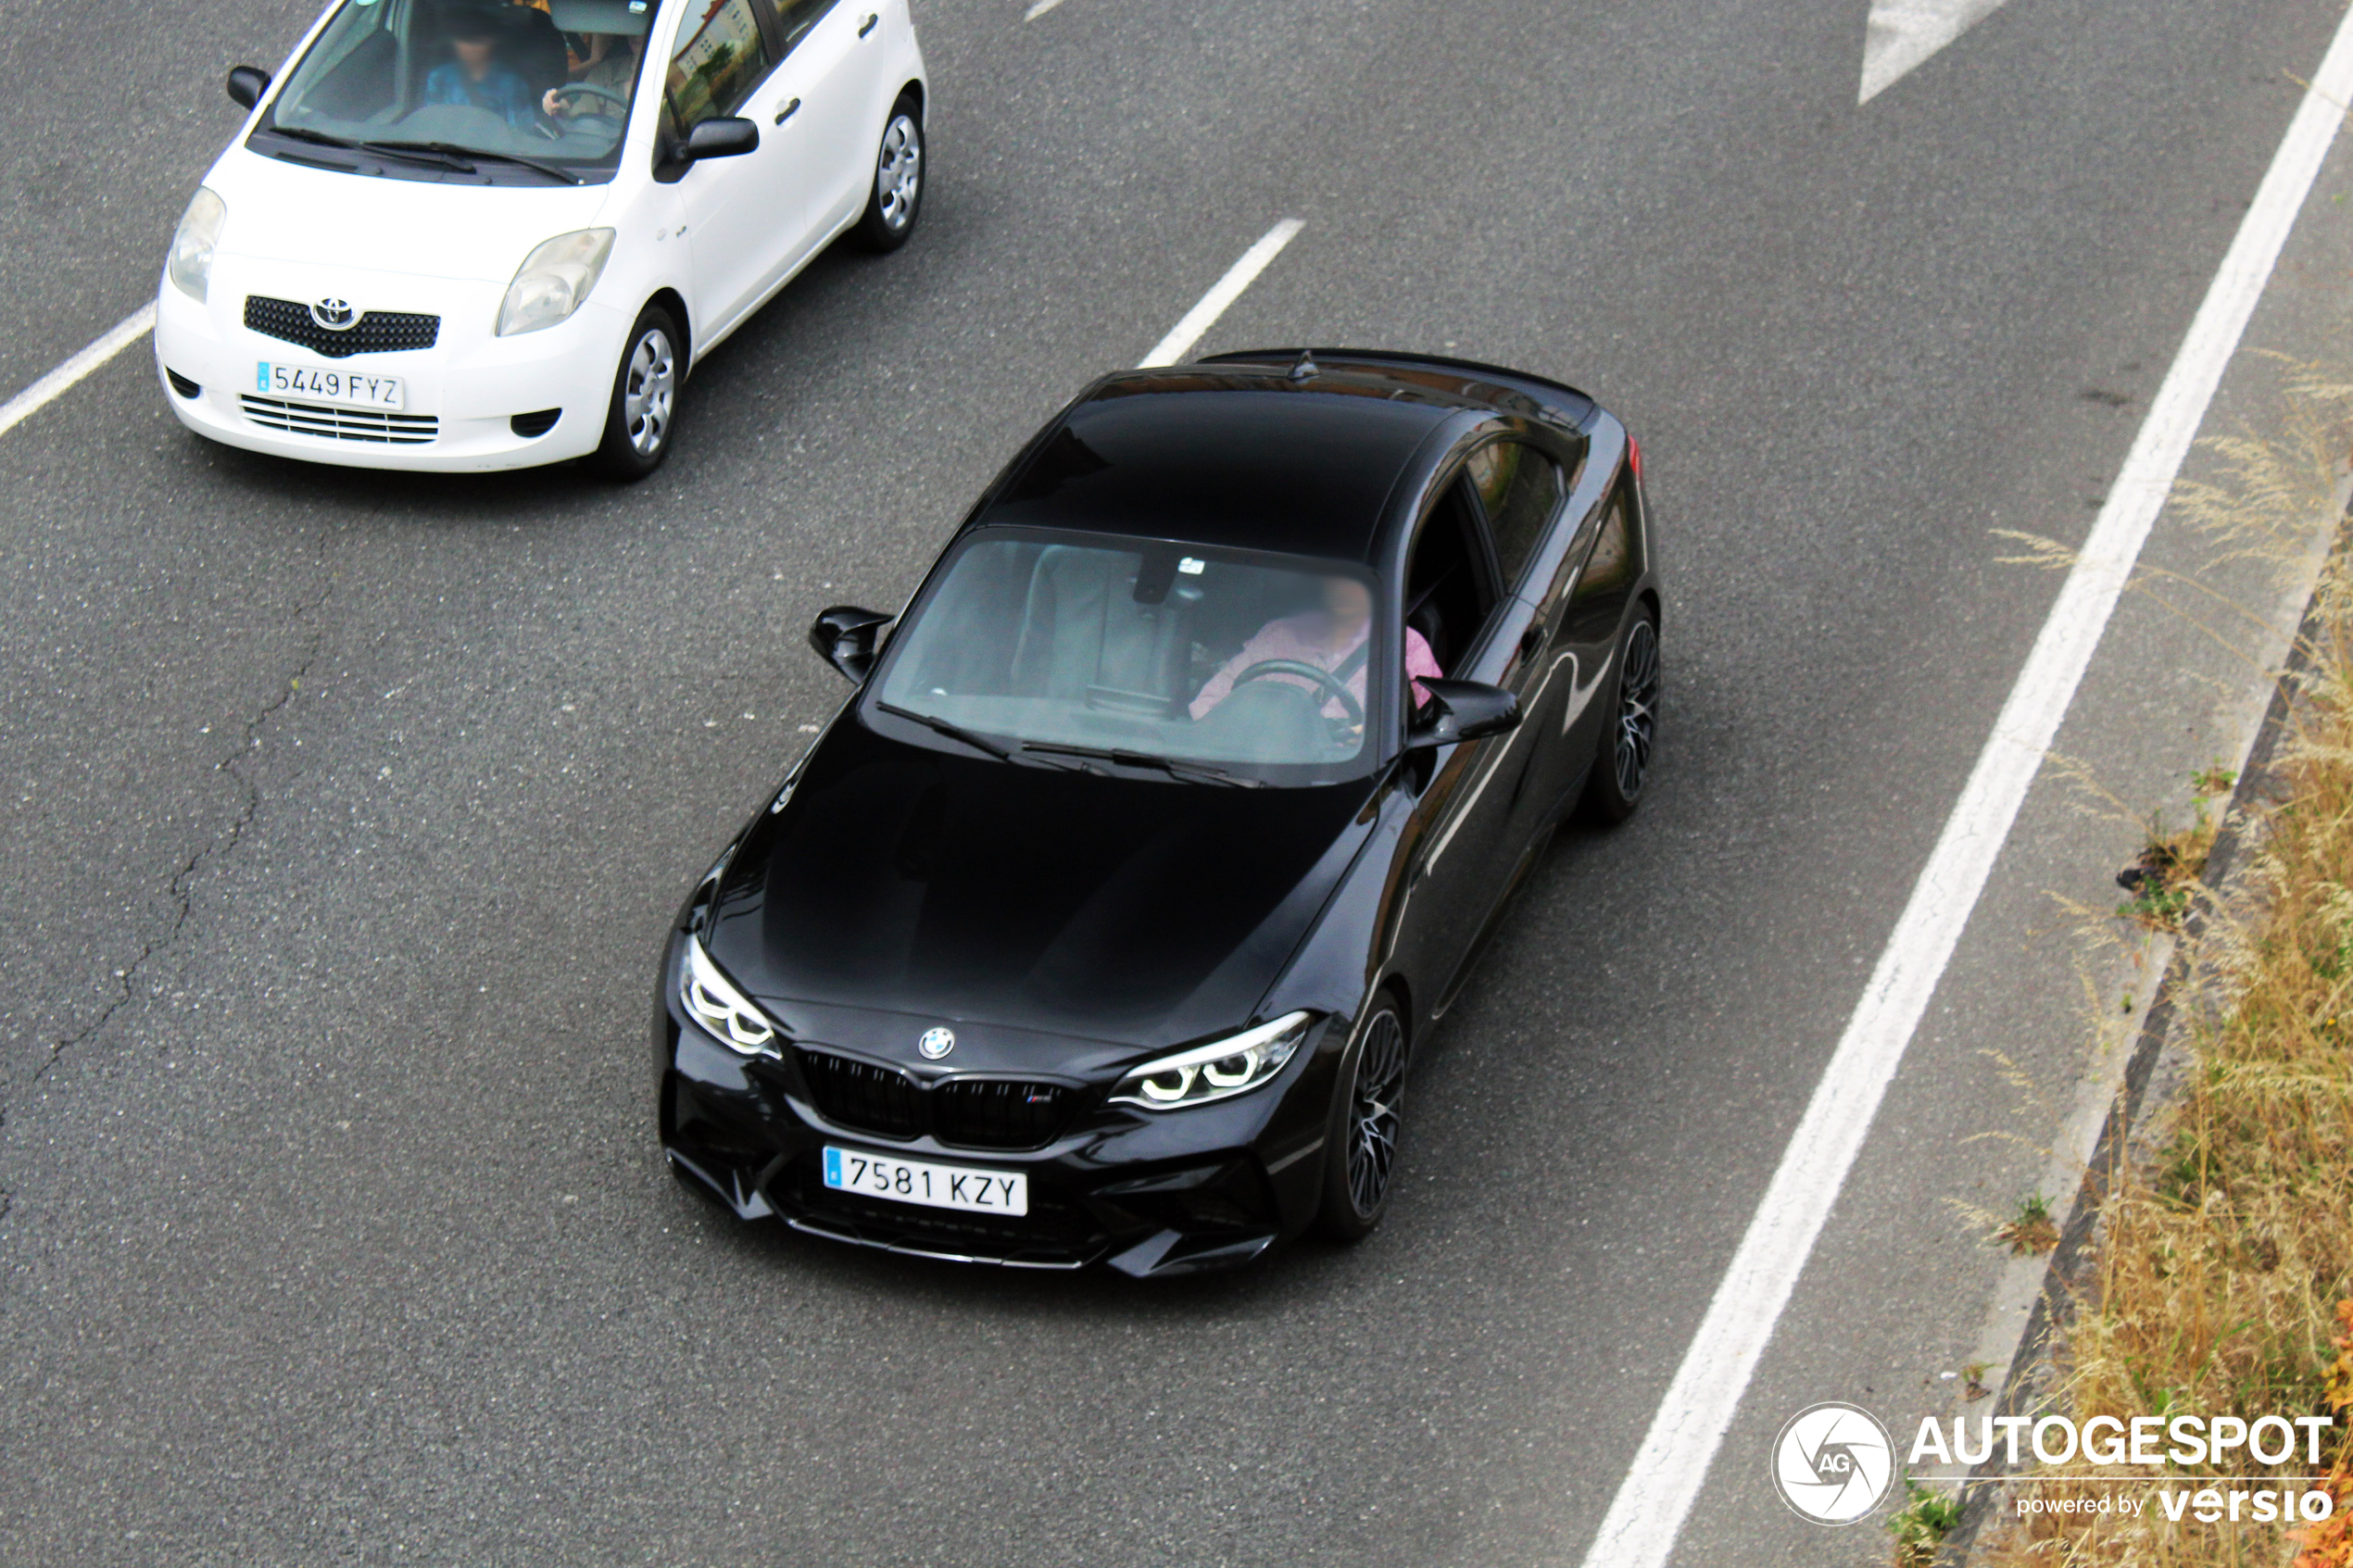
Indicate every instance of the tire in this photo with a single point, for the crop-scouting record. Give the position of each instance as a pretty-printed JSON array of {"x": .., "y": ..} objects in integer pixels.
[
  {"x": 1622, "y": 757},
  {"x": 641, "y": 421},
  {"x": 895, "y": 199},
  {"x": 1360, "y": 1145}
]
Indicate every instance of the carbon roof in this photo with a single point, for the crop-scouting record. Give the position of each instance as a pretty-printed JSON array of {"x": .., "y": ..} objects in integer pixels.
[{"x": 1242, "y": 456}]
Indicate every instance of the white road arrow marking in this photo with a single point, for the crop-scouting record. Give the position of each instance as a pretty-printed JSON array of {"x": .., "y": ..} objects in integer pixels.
[{"x": 1902, "y": 34}]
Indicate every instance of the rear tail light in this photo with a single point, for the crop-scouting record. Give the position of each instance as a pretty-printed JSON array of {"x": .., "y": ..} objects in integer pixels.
[{"x": 1634, "y": 457}]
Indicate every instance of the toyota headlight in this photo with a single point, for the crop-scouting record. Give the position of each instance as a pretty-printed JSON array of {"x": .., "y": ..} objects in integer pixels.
[
  {"x": 712, "y": 999},
  {"x": 1217, "y": 1071},
  {"x": 190, "y": 266},
  {"x": 554, "y": 281}
]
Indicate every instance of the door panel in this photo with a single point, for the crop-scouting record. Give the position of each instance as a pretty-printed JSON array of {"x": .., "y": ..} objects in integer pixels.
[
  {"x": 740, "y": 211},
  {"x": 843, "y": 70},
  {"x": 1464, "y": 810}
]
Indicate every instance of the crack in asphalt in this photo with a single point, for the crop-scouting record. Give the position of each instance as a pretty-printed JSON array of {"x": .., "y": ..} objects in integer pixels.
[{"x": 180, "y": 890}]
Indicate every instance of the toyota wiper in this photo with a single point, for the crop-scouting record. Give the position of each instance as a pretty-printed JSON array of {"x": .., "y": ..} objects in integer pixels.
[
  {"x": 949, "y": 728},
  {"x": 458, "y": 160},
  {"x": 304, "y": 134},
  {"x": 1173, "y": 767},
  {"x": 462, "y": 156}
]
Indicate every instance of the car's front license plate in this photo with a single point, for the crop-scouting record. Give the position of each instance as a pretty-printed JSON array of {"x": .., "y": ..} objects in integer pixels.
[
  {"x": 315, "y": 384},
  {"x": 938, "y": 1186}
]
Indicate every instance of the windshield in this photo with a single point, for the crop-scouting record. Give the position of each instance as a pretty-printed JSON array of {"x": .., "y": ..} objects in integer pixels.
[
  {"x": 1251, "y": 666},
  {"x": 537, "y": 93}
]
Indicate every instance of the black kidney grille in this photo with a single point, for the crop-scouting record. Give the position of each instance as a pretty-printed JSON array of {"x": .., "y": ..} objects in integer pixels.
[
  {"x": 378, "y": 332},
  {"x": 982, "y": 1113},
  {"x": 875, "y": 1099},
  {"x": 968, "y": 1112}
]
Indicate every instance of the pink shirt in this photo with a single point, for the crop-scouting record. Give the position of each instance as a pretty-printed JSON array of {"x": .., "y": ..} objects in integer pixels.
[{"x": 1305, "y": 639}]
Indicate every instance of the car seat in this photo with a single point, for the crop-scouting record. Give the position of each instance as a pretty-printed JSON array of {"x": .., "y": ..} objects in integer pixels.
[
  {"x": 530, "y": 40},
  {"x": 1085, "y": 639}
]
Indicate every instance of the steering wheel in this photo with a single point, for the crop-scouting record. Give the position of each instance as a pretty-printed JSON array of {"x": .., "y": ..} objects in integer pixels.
[
  {"x": 1332, "y": 686},
  {"x": 595, "y": 92}
]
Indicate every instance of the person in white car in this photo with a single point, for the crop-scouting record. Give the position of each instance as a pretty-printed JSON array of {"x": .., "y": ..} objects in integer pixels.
[
  {"x": 477, "y": 77},
  {"x": 604, "y": 80}
]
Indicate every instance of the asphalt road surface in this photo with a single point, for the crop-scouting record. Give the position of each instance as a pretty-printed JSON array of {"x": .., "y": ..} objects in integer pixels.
[{"x": 340, "y": 814}]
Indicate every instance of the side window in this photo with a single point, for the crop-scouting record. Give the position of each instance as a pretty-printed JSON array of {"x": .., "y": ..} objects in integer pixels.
[
  {"x": 1610, "y": 567},
  {"x": 1519, "y": 488},
  {"x": 719, "y": 60},
  {"x": 1447, "y": 594},
  {"x": 795, "y": 17}
]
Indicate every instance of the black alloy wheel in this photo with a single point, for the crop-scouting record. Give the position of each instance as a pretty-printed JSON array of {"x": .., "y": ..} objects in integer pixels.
[
  {"x": 641, "y": 421},
  {"x": 895, "y": 199},
  {"x": 1622, "y": 762},
  {"x": 1360, "y": 1162}
]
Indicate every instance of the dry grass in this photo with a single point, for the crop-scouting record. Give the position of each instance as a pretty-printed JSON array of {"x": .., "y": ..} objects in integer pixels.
[{"x": 2222, "y": 1270}]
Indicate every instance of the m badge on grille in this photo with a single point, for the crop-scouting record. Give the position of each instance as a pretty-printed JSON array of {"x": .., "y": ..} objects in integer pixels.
[
  {"x": 936, "y": 1042},
  {"x": 336, "y": 315}
]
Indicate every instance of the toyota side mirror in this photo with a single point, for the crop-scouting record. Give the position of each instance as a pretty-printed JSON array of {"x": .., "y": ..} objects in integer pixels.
[
  {"x": 1460, "y": 711},
  {"x": 247, "y": 85},
  {"x": 719, "y": 138},
  {"x": 847, "y": 637}
]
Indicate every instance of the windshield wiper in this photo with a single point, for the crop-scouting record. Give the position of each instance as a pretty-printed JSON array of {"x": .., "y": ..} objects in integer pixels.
[
  {"x": 461, "y": 155},
  {"x": 949, "y": 728},
  {"x": 1173, "y": 767},
  {"x": 304, "y": 134},
  {"x": 407, "y": 152},
  {"x": 459, "y": 160}
]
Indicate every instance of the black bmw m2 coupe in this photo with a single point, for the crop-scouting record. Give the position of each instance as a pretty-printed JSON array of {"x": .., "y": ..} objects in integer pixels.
[{"x": 1102, "y": 923}]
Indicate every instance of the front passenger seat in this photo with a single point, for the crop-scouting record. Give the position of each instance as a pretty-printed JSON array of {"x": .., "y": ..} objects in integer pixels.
[{"x": 1085, "y": 639}]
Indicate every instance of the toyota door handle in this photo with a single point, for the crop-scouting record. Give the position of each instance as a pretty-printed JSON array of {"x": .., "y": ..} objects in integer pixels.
[
  {"x": 868, "y": 25},
  {"x": 787, "y": 111}
]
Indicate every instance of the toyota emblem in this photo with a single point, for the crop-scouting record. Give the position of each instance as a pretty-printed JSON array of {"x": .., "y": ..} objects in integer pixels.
[
  {"x": 936, "y": 1042},
  {"x": 336, "y": 315}
]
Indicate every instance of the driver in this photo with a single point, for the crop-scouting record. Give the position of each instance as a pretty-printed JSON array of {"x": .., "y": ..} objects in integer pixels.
[
  {"x": 477, "y": 78},
  {"x": 1329, "y": 639},
  {"x": 611, "y": 66}
]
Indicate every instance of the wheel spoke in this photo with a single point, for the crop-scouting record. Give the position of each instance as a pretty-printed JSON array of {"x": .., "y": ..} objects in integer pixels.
[{"x": 1372, "y": 1144}]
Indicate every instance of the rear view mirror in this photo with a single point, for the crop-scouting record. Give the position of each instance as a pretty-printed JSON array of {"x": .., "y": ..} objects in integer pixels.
[
  {"x": 1460, "y": 711},
  {"x": 845, "y": 636},
  {"x": 247, "y": 85},
  {"x": 719, "y": 138}
]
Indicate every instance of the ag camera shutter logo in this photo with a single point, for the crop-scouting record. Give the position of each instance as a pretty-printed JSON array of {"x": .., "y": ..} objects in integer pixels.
[{"x": 1833, "y": 1462}]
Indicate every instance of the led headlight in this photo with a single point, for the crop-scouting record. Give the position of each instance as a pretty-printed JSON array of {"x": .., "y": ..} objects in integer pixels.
[
  {"x": 1217, "y": 1071},
  {"x": 712, "y": 1001},
  {"x": 554, "y": 281},
  {"x": 190, "y": 266}
]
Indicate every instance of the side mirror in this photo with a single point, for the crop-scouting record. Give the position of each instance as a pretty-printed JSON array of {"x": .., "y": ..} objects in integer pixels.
[
  {"x": 247, "y": 85},
  {"x": 1462, "y": 710},
  {"x": 847, "y": 637},
  {"x": 719, "y": 138}
]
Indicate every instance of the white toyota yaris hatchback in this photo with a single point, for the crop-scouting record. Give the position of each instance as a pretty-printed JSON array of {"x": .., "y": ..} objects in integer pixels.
[{"x": 469, "y": 235}]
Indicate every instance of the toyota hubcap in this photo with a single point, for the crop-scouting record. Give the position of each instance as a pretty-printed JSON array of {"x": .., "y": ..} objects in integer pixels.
[
  {"x": 898, "y": 172},
  {"x": 647, "y": 389}
]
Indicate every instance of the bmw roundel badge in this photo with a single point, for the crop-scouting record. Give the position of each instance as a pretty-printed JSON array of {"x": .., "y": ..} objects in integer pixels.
[{"x": 936, "y": 1042}]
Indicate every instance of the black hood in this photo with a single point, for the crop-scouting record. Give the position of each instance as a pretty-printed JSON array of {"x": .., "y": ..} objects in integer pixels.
[{"x": 935, "y": 887}]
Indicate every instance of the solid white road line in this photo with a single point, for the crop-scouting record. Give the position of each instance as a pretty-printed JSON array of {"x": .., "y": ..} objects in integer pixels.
[
  {"x": 1039, "y": 10},
  {"x": 1647, "y": 1514},
  {"x": 33, "y": 398},
  {"x": 1227, "y": 289},
  {"x": 1900, "y": 34}
]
